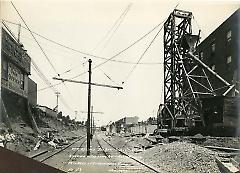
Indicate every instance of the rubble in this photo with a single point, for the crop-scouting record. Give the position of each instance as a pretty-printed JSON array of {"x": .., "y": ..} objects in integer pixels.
[
  {"x": 53, "y": 144},
  {"x": 21, "y": 138},
  {"x": 181, "y": 157},
  {"x": 37, "y": 146}
]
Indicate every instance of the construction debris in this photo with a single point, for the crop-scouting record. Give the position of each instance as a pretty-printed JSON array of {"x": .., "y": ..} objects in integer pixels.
[{"x": 181, "y": 157}]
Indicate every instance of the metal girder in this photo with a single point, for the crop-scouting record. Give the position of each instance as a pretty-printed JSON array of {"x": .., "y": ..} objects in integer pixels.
[
  {"x": 185, "y": 76},
  {"x": 177, "y": 25}
]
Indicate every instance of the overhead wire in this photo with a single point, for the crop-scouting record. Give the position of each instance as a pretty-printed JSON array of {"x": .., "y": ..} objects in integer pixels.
[
  {"x": 39, "y": 45},
  {"x": 109, "y": 77},
  {"x": 122, "y": 51},
  {"x": 84, "y": 53},
  {"x": 113, "y": 26},
  {"x": 111, "y": 32},
  {"x": 34, "y": 38},
  {"x": 48, "y": 83},
  {"x": 38, "y": 70},
  {"x": 73, "y": 68},
  {"x": 118, "y": 25},
  {"x": 142, "y": 55},
  {"x": 114, "y": 56}
]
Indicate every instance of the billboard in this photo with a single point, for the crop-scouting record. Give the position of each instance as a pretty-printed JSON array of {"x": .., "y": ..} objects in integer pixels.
[
  {"x": 15, "y": 52},
  {"x": 16, "y": 80}
]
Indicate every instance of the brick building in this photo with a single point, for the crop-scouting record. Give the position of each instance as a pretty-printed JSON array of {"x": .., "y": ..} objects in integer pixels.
[{"x": 221, "y": 50}]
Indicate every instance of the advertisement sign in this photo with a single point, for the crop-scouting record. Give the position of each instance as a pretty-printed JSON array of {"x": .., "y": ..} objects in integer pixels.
[
  {"x": 15, "y": 52},
  {"x": 15, "y": 82},
  {"x": 15, "y": 77}
]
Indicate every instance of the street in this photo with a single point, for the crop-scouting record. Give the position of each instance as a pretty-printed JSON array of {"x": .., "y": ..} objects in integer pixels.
[{"x": 103, "y": 158}]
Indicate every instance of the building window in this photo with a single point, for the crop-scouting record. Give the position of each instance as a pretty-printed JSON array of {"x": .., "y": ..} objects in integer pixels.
[
  {"x": 229, "y": 35},
  {"x": 229, "y": 59},
  {"x": 213, "y": 67},
  {"x": 5, "y": 70}
]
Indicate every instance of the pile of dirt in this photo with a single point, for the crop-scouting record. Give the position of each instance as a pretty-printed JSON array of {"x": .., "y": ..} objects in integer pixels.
[
  {"x": 180, "y": 157},
  {"x": 231, "y": 142}
]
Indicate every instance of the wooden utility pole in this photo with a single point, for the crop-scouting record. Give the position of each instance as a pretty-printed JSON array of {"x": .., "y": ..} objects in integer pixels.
[
  {"x": 57, "y": 94},
  {"x": 89, "y": 106},
  {"x": 19, "y": 31},
  {"x": 91, "y": 120},
  {"x": 89, "y": 99}
]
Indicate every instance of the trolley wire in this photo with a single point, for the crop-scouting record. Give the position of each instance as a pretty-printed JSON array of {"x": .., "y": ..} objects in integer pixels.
[
  {"x": 42, "y": 76},
  {"x": 114, "y": 56},
  {"x": 85, "y": 53},
  {"x": 142, "y": 55},
  {"x": 106, "y": 60},
  {"x": 122, "y": 51},
  {"x": 114, "y": 25},
  {"x": 114, "y": 31},
  {"x": 109, "y": 77},
  {"x": 34, "y": 38}
]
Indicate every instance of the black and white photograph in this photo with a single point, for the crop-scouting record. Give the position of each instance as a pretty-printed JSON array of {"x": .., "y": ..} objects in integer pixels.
[{"x": 120, "y": 86}]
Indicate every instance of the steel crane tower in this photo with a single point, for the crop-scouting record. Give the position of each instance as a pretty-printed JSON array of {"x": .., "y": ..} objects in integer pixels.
[{"x": 186, "y": 78}]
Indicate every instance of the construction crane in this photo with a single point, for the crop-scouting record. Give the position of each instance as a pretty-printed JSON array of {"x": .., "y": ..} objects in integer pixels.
[{"x": 186, "y": 78}]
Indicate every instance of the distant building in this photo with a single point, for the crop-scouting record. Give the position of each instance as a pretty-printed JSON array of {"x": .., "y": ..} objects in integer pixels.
[
  {"x": 15, "y": 83},
  {"x": 221, "y": 50},
  {"x": 126, "y": 122}
]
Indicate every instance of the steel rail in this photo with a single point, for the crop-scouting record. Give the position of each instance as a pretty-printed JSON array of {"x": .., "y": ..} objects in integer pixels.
[
  {"x": 57, "y": 152},
  {"x": 73, "y": 154},
  {"x": 123, "y": 153}
]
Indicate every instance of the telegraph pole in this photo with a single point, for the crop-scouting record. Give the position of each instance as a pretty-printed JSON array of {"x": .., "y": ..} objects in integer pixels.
[
  {"x": 91, "y": 120},
  {"x": 89, "y": 83},
  {"x": 57, "y": 94},
  {"x": 89, "y": 107},
  {"x": 19, "y": 31}
]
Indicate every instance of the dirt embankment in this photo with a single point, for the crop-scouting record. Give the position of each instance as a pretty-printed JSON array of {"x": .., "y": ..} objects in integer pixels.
[{"x": 21, "y": 138}]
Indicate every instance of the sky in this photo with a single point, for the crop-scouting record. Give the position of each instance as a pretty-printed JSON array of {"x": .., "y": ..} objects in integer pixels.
[{"x": 88, "y": 26}]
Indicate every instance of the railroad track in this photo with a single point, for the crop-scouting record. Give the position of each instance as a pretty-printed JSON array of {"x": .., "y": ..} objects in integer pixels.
[
  {"x": 127, "y": 163},
  {"x": 72, "y": 156},
  {"x": 45, "y": 155}
]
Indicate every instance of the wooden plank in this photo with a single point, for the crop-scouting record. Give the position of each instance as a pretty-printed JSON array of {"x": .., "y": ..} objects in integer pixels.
[{"x": 226, "y": 167}]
